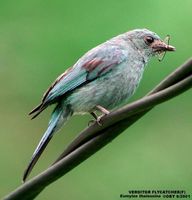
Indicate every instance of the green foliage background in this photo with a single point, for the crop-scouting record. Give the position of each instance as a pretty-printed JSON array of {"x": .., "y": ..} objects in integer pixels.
[{"x": 38, "y": 41}]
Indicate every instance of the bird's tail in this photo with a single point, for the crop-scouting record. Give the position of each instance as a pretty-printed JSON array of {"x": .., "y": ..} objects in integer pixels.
[{"x": 58, "y": 118}]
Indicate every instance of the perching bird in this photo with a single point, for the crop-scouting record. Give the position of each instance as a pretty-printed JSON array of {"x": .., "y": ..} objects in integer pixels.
[{"x": 101, "y": 80}]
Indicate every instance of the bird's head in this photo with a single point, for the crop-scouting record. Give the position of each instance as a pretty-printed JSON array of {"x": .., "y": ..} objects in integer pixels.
[{"x": 147, "y": 42}]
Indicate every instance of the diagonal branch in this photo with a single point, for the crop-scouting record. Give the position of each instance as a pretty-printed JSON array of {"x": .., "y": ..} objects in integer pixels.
[
  {"x": 95, "y": 137},
  {"x": 179, "y": 74}
]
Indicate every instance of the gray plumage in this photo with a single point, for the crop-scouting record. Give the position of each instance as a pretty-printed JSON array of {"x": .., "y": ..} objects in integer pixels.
[{"x": 102, "y": 79}]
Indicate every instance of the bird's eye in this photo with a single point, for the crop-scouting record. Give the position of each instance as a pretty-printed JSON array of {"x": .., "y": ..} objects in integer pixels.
[{"x": 149, "y": 40}]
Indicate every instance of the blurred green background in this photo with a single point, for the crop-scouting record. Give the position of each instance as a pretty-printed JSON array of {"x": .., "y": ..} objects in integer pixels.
[{"x": 38, "y": 41}]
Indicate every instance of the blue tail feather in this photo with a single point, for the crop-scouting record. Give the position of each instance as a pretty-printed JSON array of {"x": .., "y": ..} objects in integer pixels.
[{"x": 59, "y": 116}]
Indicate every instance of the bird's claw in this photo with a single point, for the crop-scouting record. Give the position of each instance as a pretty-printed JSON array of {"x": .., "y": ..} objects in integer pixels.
[{"x": 98, "y": 121}]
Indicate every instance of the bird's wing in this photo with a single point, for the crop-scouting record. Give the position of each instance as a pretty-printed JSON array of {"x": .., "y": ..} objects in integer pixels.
[{"x": 92, "y": 65}]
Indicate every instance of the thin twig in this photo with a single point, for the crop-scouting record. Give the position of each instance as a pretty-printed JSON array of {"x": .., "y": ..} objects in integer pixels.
[{"x": 95, "y": 137}]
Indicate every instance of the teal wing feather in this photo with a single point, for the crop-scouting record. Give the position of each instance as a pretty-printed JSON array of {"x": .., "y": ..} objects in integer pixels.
[{"x": 92, "y": 65}]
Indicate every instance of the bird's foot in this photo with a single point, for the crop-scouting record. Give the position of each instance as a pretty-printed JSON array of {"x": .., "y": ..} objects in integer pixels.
[
  {"x": 92, "y": 121},
  {"x": 98, "y": 118}
]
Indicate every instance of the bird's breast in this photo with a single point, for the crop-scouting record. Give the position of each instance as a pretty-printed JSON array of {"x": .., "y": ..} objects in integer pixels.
[
  {"x": 125, "y": 82},
  {"x": 108, "y": 91}
]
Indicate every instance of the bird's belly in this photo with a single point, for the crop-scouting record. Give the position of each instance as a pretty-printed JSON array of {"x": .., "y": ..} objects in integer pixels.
[{"x": 108, "y": 91}]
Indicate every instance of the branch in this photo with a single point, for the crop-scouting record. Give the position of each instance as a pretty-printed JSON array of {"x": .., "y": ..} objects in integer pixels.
[
  {"x": 136, "y": 107},
  {"x": 95, "y": 137}
]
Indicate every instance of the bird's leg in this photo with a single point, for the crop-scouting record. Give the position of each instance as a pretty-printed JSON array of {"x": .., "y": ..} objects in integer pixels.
[
  {"x": 94, "y": 115},
  {"x": 102, "y": 109},
  {"x": 98, "y": 119}
]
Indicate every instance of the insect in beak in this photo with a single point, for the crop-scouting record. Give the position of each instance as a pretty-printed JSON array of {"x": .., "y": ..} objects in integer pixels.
[{"x": 161, "y": 47}]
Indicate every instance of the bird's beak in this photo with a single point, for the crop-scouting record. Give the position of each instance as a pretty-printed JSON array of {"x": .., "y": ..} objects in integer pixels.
[{"x": 159, "y": 46}]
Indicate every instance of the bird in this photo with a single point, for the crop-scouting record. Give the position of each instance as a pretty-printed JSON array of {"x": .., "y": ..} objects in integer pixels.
[{"x": 101, "y": 80}]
